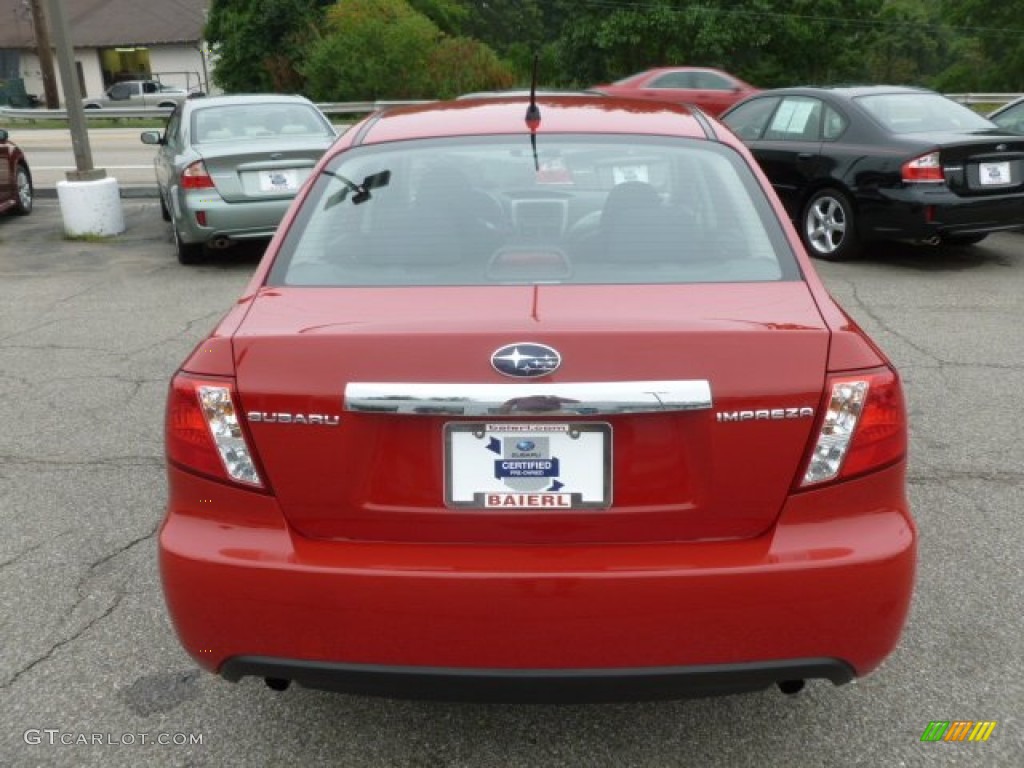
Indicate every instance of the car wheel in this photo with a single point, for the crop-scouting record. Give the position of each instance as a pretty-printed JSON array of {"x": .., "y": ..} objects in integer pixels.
[
  {"x": 23, "y": 187},
  {"x": 188, "y": 253},
  {"x": 828, "y": 227},
  {"x": 963, "y": 239},
  {"x": 164, "y": 210}
]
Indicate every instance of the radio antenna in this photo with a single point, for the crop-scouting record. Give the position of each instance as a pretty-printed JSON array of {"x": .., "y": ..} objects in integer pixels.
[{"x": 533, "y": 113}]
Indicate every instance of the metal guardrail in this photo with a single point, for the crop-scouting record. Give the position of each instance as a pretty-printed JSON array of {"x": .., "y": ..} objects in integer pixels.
[
  {"x": 329, "y": 108},
  {"x": 62, "y": 114},
  {"x": 359, "y": 107}
]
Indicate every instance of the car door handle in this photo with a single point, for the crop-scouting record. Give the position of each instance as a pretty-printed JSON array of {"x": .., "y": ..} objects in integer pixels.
[{"x": 805, "y": 156}]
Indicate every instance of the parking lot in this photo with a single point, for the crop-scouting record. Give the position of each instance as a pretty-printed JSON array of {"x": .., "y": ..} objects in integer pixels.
[{"x": 92, "y": 674}]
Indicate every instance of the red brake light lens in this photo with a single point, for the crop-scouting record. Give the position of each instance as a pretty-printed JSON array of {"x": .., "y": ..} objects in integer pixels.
[
  {"x": 195, "y": 176},
  {"x": 926, "y": 168},
  {"x": 864, "y": 427},
  {"x": 203, "y": 432}
]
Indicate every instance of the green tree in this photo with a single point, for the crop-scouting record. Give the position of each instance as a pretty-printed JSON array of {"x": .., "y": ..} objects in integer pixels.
[
  {"x": 385, "y": 49},
  {"x": 907, "y": 44},
  {"x": 257, "y": 42},
  {"x": 989, "y": 46},
  {"x": 769, "y": 42}
]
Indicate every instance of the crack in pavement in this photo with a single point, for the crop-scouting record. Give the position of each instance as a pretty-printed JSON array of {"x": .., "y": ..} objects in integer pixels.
[
  {"x": 110, "y": 462},
  {"x": 84, "y": 594},
  {"x": 185, "y": 332},
  {"x": 884, "y": 325},
  {"x": 18, "y": 674},
  {"x": 26, "y": 552}
]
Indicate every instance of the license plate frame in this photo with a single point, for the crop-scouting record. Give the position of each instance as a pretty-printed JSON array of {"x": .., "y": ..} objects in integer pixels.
[
  {"x": 995, "y": 174},
  {"x": 528, "y": 466},
  {"x": 279, "y": 180}
]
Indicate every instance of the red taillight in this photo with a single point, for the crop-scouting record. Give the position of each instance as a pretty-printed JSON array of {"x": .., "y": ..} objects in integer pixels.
[
  {"x": 195, "y": 176},
  {"x": 203, "y": 432},
  {"x": 863, "y": 427},
  {"x": 927, "y": 168}
]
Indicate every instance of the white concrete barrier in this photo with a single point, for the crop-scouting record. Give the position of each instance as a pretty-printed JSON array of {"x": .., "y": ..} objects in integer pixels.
[{"x": 91, "y": 207}]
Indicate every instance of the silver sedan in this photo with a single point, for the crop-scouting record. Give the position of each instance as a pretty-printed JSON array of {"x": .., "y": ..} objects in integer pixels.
[{"x": 228, "y": 167}]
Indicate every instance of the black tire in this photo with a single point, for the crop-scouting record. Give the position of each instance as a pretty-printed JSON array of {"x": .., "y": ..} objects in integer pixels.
[
  {"x": 164, "y": 211},
  {"x": 963, "y": 239},
  {"x": 828, "y": 226},
  {"x": 188, "y": 253},
  {"x": 24, "y": 190}
]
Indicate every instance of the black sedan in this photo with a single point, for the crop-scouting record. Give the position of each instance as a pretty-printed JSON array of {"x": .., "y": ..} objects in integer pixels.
[{"x": 860, "y": 164}]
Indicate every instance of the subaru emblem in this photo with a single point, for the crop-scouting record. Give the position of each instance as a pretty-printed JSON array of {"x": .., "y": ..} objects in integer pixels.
[{"x": 525, "y": 360}]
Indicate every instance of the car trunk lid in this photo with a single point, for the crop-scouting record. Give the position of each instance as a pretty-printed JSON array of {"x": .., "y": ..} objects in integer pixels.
[
  {"x": 982, "y": 164},
  {"x": 272, "y": 168},
  {"x": 331, "y": 381}
]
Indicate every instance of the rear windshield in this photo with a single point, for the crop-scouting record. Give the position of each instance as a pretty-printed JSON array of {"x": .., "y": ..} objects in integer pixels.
[
  {"x": 496, "y": 210},
  {"x": 914, "y": 112},
  {"x": 235, "y": 122}
]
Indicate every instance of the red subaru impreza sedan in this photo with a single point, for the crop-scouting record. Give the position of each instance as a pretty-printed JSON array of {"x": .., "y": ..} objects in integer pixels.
[{"x": 537, "y": 402}]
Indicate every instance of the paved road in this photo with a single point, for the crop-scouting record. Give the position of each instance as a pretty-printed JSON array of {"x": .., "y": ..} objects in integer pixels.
[
  {"x": 89, "y": 334},
  {"x": 117, "y": 150}
]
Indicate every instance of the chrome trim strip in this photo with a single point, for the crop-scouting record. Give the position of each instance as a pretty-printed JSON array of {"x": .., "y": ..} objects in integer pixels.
[{"x": 547, "y": 399}]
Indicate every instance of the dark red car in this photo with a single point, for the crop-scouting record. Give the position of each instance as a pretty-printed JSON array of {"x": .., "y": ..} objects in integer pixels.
[
  {"x": 15, "y": 177},
  {"x": 712, "y": 90},
  {"x": 550, "y": 409}
]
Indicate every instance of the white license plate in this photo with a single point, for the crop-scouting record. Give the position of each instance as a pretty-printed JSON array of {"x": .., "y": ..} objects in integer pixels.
[
  {"x": 284, "y": 180},
  {"x": 993, "y": 174},
  {"x": 540, "y": 466}
]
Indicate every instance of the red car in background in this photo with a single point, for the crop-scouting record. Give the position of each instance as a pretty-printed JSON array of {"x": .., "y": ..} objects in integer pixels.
[
  {"x": 15, "y": 177},
  {"x": 712, "y": 90},
  {"x": 543, "y": 404}
]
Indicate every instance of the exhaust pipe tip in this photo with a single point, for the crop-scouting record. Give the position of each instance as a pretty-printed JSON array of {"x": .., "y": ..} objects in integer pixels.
[
  {"x": 277, "y": 683},
  {"x": 220, "y": 243},
  {"x": 791, "y": 687}
]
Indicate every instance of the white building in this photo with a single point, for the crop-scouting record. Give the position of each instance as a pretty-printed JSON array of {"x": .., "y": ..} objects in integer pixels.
[{"x": 113, "y": 40}]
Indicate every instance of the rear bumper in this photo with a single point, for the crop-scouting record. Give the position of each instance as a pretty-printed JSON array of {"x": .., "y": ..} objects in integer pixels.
[
  {"x": 249, "y": 220},
  {"x": 538, "y": 685},
  {"x": 922, "y": 213},
  {"x": 826, "y": 590}
]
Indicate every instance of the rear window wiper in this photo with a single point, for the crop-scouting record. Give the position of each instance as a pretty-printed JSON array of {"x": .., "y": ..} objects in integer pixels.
[{"x": 361, "y": 192}]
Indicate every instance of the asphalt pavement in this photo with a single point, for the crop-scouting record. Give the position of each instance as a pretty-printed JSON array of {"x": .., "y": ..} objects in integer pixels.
[{"x": 91, "y": 673}]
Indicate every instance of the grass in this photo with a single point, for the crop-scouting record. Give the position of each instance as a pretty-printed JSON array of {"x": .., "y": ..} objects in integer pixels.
[
  {"x": 29, "y": 123},
  {"x": 88, "y": 237}
]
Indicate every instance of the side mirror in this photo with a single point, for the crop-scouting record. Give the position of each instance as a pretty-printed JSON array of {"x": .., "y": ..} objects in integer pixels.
[
  {"x": 152, "y": 137},
  {"x": 3, "y": 136}
]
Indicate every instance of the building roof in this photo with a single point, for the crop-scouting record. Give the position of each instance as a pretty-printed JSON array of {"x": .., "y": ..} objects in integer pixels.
[{"x": 105, "y": 23}]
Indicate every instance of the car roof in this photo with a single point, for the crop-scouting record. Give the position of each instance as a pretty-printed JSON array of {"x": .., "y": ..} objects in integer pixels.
[
  {"x": 524, "y": 92},
  {"x": 684, "y": 68},
  {"x": 844, "y": 91},
  {"x": 243, "y": 99},
  {"x": 559, "y": 114}
]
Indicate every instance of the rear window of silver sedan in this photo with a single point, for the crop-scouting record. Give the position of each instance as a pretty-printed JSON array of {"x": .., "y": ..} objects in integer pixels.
[
  {"x": 235, "y": 122},
  {"x": 576, "y": 209}
]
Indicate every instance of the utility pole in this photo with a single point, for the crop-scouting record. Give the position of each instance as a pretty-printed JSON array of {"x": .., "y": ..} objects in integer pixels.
[
  {"x": 72, "y": 97},
  {"x": 44, "y": 52}
]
